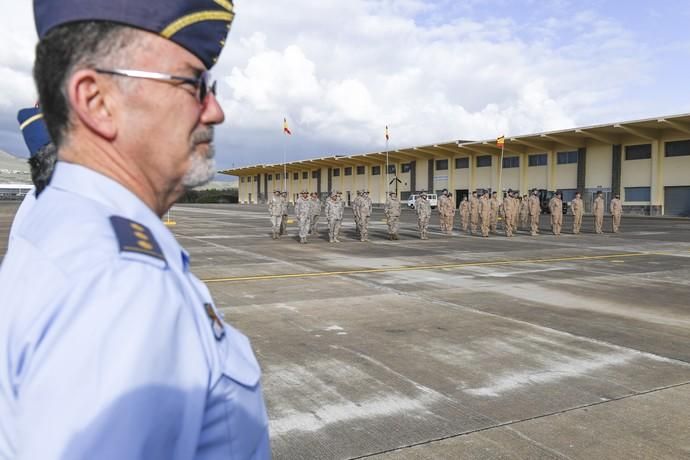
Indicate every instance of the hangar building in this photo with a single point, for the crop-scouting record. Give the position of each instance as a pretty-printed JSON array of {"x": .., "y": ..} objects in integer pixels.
[{"x": 646, "y": 161}]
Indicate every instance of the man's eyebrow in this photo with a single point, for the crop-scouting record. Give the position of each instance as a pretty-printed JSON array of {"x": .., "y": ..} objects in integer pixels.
[{"x": 195, "y": 70}]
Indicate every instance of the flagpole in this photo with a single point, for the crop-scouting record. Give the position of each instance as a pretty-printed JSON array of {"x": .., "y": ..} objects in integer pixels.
[
  {"x": 500, "y": 171},
  {"x": 388, "y": 184},
  {"x": 285, "y": 158}
]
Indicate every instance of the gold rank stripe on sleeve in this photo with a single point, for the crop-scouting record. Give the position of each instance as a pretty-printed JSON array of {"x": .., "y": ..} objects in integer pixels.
[
  {"x": 30, "y": 120},
  {"x": 194, "y": 18}
]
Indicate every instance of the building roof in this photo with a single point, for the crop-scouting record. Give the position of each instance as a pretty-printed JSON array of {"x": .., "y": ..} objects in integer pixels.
[{"x": 568, "y": 139}]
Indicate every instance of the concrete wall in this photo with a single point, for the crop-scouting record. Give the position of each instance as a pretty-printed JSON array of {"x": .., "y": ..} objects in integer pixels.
[
  {"x": 566, "y": 176},
  {"x": 537, "y": 177},
  {"x": 676, "y": 170},
  {"x": 599, "y": 165}
]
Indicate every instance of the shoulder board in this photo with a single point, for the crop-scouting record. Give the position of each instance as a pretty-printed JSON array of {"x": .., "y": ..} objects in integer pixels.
[{"x": 135, "y": 238}]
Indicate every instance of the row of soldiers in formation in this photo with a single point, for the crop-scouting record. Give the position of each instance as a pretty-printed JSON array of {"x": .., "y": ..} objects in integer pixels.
[{"x": 477, "y": 213}]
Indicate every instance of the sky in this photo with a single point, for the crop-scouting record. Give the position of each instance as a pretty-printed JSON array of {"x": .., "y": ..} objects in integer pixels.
[{"x": 433, "y": 70}]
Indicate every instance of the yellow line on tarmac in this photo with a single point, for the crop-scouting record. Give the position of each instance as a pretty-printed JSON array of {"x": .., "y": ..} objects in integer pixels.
[{"x": 358, "y": 271}]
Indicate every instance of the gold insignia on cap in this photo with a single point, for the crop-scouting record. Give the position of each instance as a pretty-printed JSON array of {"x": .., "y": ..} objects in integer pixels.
[
  {"x": 30, "y": 120},
  {"x": 225, "y": 4},
  {"x": 194, "y": 18}
]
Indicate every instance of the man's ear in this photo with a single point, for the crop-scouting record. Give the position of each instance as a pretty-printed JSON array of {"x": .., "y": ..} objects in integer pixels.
[{"x": 88, "y": 94}]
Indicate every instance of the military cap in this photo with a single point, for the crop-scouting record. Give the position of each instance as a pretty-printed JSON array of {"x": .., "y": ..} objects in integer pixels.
[
  {"x": 34, "y": 129},
  {"x": 200, "y": 26}
]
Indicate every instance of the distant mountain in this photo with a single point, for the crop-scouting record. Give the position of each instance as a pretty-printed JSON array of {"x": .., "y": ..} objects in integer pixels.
[{"x": 13, "y": 170}]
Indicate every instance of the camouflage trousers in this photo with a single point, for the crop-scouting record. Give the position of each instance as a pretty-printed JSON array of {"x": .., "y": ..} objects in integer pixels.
[
  {"x": 275, "y": 223},
  {"x": 313, "y": 228},
  {"x": 283, "y": 225},
  {"x": 333, "y": 229},
  {"x": 423, "y": 224},
  {"x": 364, "y": 227},
  {"x": 393, "y": 224},
  {"x": 304, "y": 227}
]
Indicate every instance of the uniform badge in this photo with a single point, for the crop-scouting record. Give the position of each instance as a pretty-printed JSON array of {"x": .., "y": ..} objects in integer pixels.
[
  {"x": 133, "y": 237},
  {"x": 216, "y": 323}
]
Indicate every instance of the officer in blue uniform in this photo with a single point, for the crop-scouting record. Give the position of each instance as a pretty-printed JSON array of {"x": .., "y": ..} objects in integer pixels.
[
  {"x": 120, "y": 352},
  {"x": 42, "y": 157}
]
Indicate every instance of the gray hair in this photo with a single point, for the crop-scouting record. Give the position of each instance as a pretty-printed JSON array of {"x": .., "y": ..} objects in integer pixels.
[{"x": 68, "y": 48}]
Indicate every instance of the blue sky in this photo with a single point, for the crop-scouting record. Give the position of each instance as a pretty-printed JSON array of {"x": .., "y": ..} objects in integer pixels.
[{"x": 432, "y": 70}]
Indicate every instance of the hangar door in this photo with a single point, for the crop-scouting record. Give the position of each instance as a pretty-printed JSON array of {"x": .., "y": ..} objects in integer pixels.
[{"x": 677, "y": 201}]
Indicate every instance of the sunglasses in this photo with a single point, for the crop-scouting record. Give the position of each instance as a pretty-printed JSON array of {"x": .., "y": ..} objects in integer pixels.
[{"x": 203, "y": 84}]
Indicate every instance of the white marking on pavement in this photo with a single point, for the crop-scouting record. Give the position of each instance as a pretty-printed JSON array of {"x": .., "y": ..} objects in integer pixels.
[{"x": 334, "y": 328}]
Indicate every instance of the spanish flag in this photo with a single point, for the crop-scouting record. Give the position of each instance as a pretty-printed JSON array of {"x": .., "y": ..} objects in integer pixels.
[
  {"x": 286, "y": 130},
  {"x": 387, "y": 137},
  {"x": 501, "y": 141}
]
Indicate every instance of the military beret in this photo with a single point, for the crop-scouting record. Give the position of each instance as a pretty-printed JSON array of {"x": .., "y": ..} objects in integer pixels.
[
  {"x": 200, "y": 26},
  {"x": 34, "y": 129}
]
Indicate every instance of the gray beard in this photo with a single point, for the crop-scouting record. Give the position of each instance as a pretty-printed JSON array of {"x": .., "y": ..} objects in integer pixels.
[{"x": 201, "y": 170}]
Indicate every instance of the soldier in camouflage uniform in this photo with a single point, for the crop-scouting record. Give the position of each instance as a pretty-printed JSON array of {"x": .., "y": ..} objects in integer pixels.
[
  {"x": 445, "y": 212},
  {"x": 509, "y": 211},
  {"x": 485, "y": 213},
  {"x": 464, "y": 214},
  {"x": 534, "y": 212},
  {"x": 364, "y": 215},
  {"x": 474, "y": 213},
  {"x": 341, "y": 202},
  {"x": 493, "y": 218},
  {"x": 423, "y": 208},
  {"x": 523, "y": 210},
  {"x": 578, "y": 209},
  {"x": 392, "y": 211},
  {"x": 302, "y": 213},
  {"x": 315, "y": 203},
  {"x": 275, "y": 209},
  {"x": 334, "y": 216},
  {"x": 356, "y": 203},
  {"x": 284, "y": 217}
]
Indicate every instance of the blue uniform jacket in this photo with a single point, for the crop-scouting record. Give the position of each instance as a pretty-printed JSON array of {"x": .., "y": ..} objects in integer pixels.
[{"x": 109, "y": 347}]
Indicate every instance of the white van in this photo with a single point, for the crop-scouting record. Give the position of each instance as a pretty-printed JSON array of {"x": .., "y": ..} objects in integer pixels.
[{"x": 432, "y": 197}]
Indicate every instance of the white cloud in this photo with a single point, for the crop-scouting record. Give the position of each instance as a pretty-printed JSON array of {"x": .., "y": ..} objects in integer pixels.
[{"x": 432, "y": 70}]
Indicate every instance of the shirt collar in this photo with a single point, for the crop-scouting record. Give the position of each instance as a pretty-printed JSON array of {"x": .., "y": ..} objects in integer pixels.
[{"x": 94, "y": 186}]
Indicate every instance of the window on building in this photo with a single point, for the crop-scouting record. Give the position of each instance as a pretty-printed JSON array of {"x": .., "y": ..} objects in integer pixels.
[
  {"x": 336, "y": 172},
  {"x": 295, "y": 176},
  {"x": 277, "y": 176},
  {"x": 249, "y": 179},
  {"x": 483, "y": 161},
  {"x": 638, "y": 152},
  {"x": 538, "y": 160},
  {"x": 242, "y": 179},
  {"x": 361, "y": 170},
  {"x": 638, "y": 194},
  {"x": 256, "y": 178},
  {"x": 678, "y": 148},
  {"x": 566, "y": 158},
  {"x": 315, "y": 174},
  {"x": 391, "y": 169},
  {"x": 348, "y": 171},
  {"x": 511, "y": 162},
  {"x": 441, "y": 165},
  {"x": 462, "y": 163},
  {"x": 270, "y": 177},
  {"x": 376, "y": 170},
  {"x": 406, "y": 167},
  {"x": 305, "y": 175}
]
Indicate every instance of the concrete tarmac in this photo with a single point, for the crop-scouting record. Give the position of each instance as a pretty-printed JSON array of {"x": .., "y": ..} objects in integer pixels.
[{"x": 554, "y": 347}]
